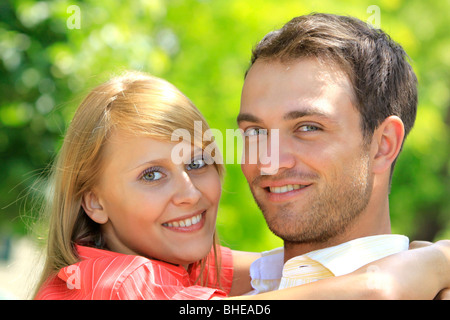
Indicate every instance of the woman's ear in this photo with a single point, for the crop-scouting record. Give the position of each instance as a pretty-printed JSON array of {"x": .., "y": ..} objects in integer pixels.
[
  {"x": 93, "y": 208},
  {"x": 387, "y": 143}
]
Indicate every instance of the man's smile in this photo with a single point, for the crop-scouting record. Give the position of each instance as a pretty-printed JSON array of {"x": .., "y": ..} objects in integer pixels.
[
  {"x": 286, "y": 192},
  {"x": 286, "y": 188}
]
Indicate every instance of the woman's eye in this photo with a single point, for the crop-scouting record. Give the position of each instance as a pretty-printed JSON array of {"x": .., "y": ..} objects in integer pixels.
[
  {"x": 152, "y": 176},
  {"x": 255, "y": 132},
  {"x": 196, "y": 164}
]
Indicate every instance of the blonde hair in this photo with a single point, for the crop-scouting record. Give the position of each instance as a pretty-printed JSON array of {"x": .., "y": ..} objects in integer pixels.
[{"x": 134, "y": 103}]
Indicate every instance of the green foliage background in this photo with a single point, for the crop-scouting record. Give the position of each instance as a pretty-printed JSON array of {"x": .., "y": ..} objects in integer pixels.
[{"x": 203, "y": 47}]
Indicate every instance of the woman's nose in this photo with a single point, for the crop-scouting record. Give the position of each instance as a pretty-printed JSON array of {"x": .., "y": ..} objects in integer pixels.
[{"x": 186, "y": 193}]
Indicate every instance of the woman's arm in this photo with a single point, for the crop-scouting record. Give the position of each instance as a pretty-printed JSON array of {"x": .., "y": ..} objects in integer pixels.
[
  {"x": 414, "y": 274},
  {"x": 241, "y": 275}
]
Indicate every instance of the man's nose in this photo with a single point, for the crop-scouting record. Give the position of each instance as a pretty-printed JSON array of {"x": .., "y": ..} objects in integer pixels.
[{"x": 279, "y": 154}]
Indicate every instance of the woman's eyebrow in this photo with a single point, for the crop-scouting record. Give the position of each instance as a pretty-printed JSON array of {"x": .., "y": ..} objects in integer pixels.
[
  {"x": 195, "y": 151},
  {"x": 149, "y": 163}
]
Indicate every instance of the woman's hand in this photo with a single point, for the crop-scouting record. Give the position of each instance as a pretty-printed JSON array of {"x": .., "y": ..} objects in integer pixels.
[{"x": 241, "y": 274}]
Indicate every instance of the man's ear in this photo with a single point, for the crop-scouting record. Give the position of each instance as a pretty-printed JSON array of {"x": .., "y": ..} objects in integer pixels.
[
  {"x": 387, "y": 142},
  {"x": 93, "y": 208}
]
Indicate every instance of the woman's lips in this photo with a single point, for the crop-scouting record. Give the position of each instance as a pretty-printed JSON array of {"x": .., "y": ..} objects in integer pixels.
[{"x": 187, "y": 224}]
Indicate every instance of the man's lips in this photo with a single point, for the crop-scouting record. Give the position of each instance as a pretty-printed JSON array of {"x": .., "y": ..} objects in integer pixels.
[
  {"x": 283, "y": 185},
  {"x": 284, "y": 190}
]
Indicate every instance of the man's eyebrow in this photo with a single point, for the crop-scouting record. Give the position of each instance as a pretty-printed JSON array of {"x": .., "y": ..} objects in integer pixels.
[
  {"x": 292, "y": 115},
  {"x": 248, "y": 117}
]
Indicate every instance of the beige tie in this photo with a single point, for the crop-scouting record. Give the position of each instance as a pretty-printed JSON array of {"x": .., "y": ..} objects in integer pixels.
[{"x": 301, "y": 270}]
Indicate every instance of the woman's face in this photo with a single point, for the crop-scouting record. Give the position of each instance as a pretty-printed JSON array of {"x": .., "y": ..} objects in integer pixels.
[{"x": 149, "y": 206}]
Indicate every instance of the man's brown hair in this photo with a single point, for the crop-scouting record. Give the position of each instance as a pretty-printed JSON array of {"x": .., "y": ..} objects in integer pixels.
[{"x": 384, "y": 82}]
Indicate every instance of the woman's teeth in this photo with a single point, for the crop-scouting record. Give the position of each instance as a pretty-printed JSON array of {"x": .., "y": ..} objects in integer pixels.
[
  {"x": 185, "y": 222},
  {"x": 286, "y": 188}
]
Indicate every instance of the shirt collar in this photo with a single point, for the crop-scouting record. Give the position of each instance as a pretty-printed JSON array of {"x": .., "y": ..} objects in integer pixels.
[
  {"x": 352, "y": 255},
  {"x": 86, "y": 253}
]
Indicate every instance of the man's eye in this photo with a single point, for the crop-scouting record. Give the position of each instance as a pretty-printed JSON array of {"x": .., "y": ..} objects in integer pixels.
[
  {"x": 255, "y": 132},
  {"x": 308, "y": 128},
  {"x": 152, "y": 175},
  {"x": 196, "y": 164}
]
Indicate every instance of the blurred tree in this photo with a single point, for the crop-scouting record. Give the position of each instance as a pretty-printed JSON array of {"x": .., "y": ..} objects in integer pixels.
[{"x": 53, "y": 52}]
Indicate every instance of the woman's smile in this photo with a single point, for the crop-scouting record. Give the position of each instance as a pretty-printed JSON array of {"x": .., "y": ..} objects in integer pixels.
[{"x": 190, "y": 223}]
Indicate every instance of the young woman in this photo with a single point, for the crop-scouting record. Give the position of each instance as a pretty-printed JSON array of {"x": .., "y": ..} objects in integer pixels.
[{"x": 129, "y": 222}]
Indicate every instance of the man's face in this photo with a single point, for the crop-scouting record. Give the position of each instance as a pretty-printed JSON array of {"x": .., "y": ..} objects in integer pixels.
[{"x": 323, "y": 179}]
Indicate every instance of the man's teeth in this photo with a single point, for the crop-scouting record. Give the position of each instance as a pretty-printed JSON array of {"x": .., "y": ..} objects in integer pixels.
[
  {"x": 185, "y": 223},
  {"x": 286, "y": 188}
]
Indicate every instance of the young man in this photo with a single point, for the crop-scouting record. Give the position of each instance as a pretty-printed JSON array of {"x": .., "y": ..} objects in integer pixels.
[{"x": 343, "y": 97}]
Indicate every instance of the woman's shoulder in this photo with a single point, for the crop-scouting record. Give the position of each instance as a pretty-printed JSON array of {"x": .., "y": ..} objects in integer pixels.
[{"x": 100, "y": 274}]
